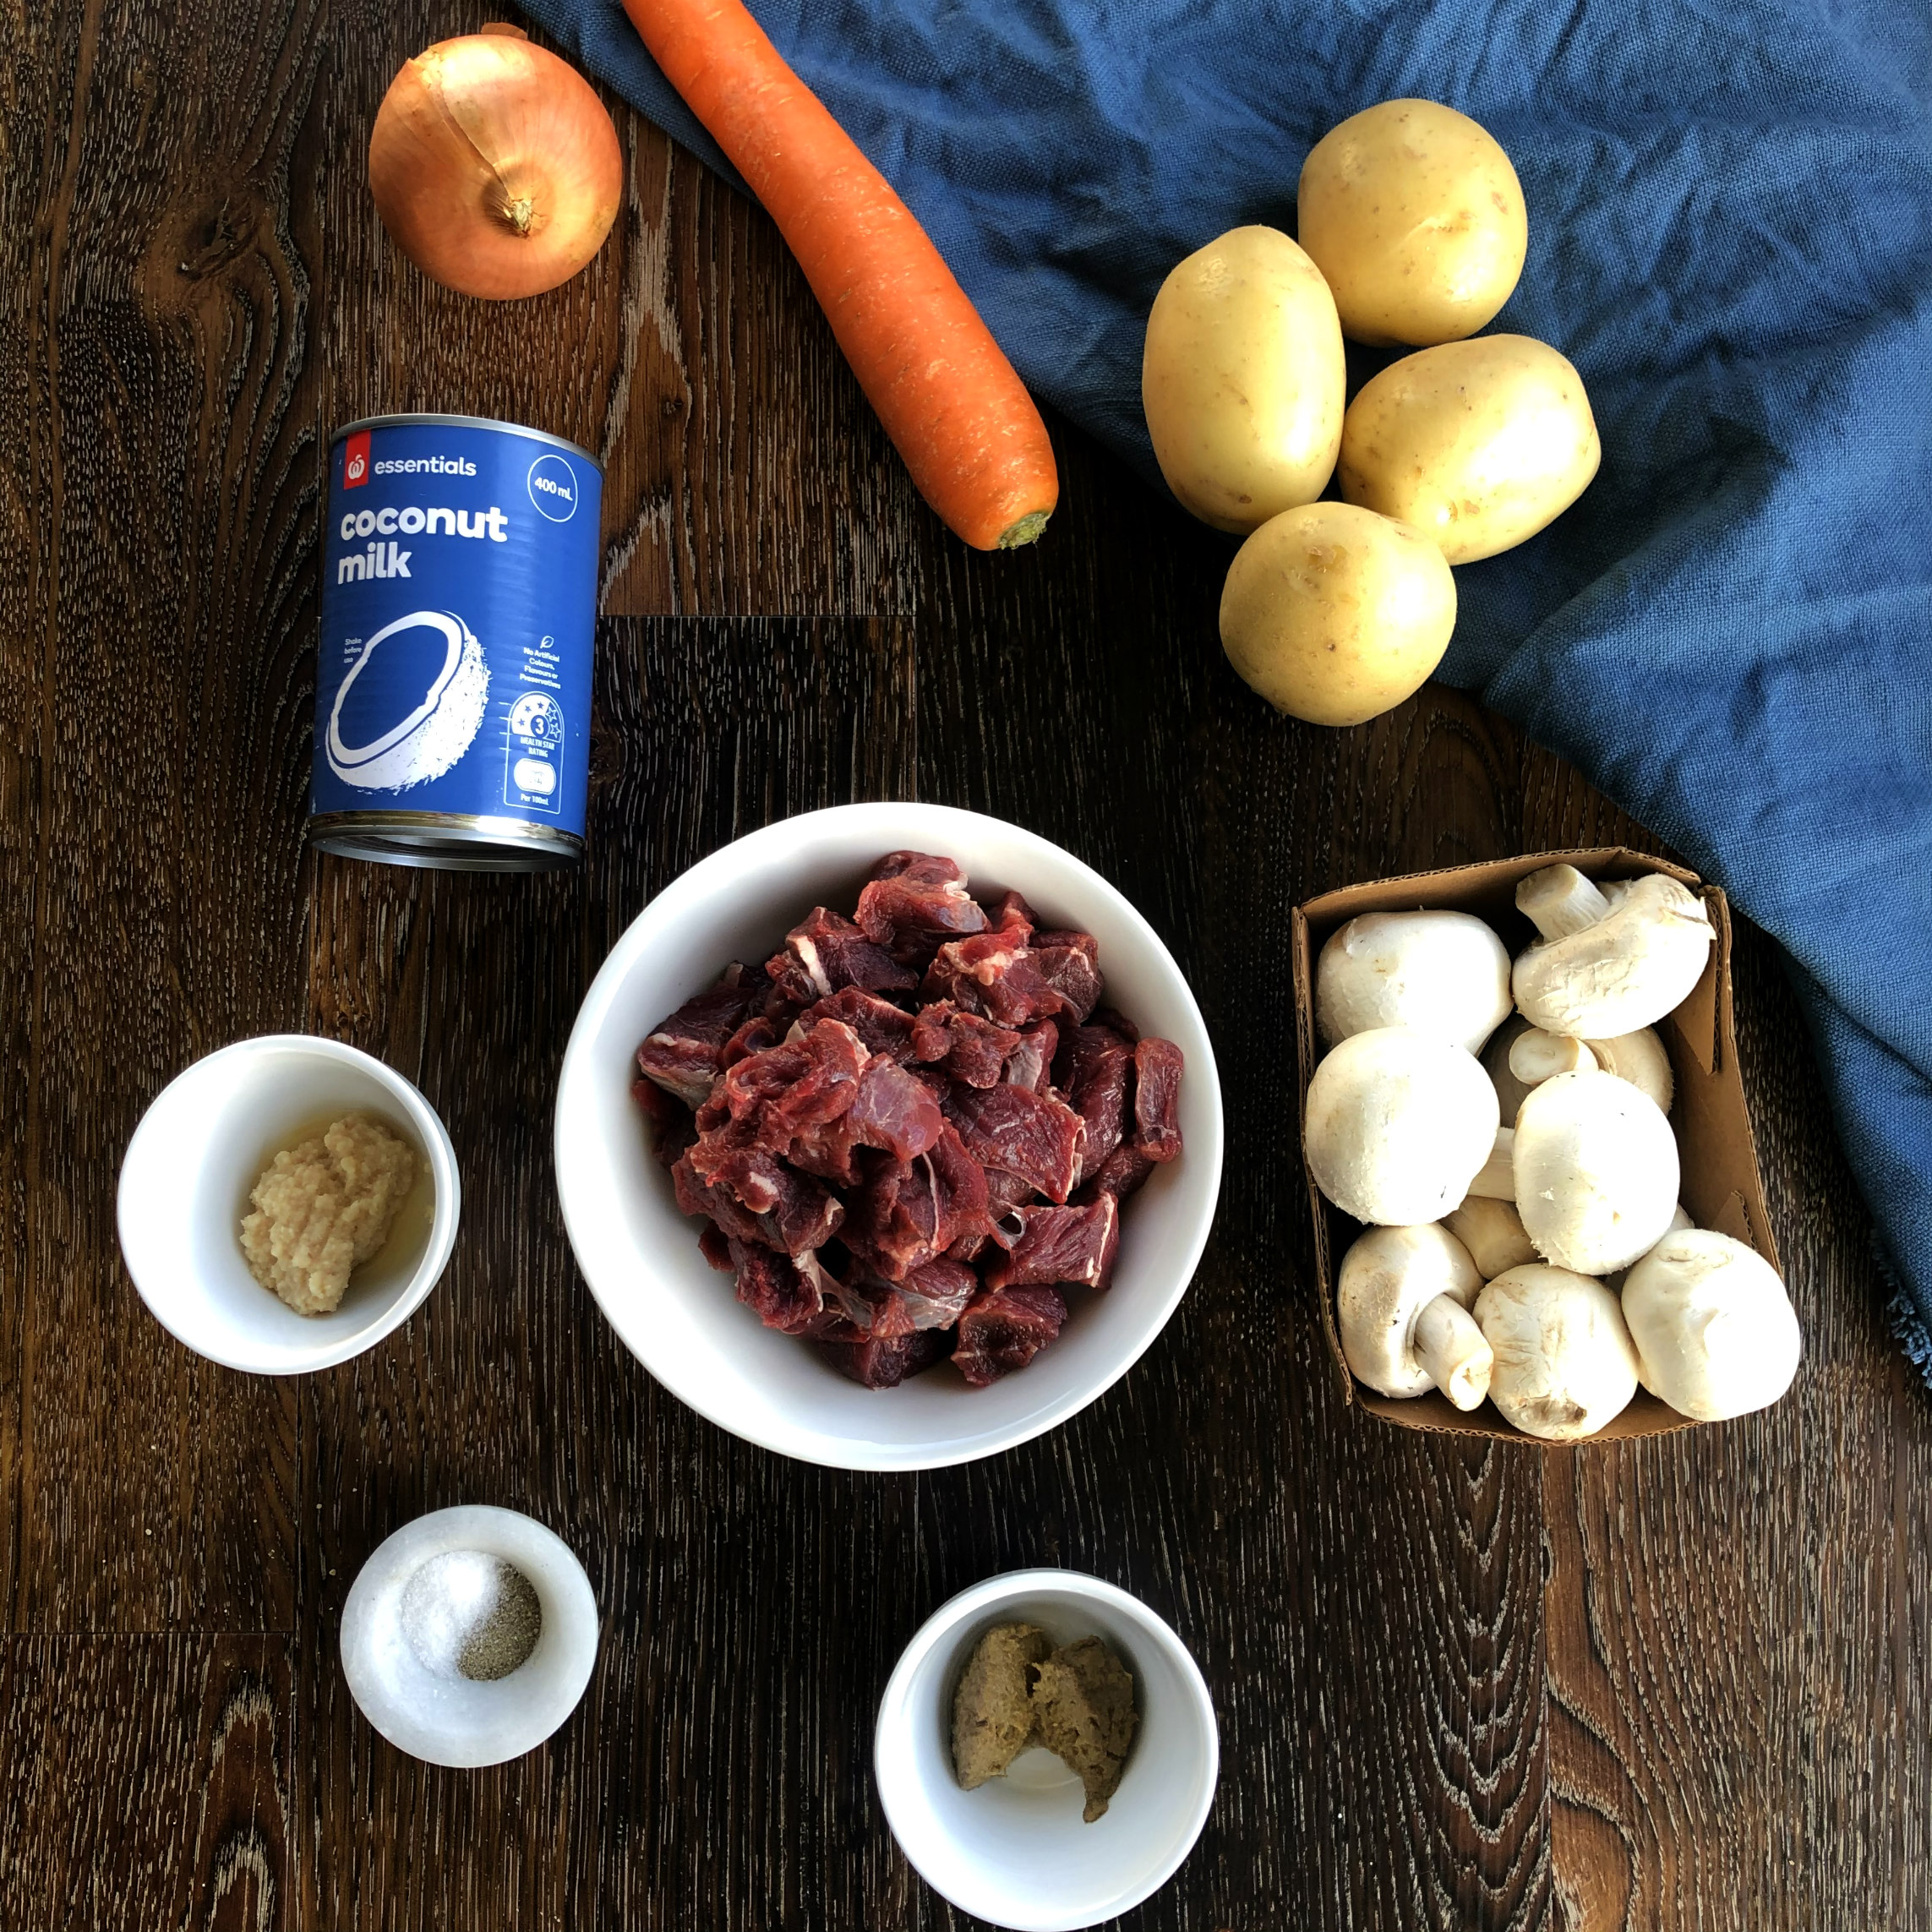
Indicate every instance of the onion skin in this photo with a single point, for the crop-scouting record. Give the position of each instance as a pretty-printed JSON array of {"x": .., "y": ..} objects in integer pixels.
[{"x": 494, "y": 165}]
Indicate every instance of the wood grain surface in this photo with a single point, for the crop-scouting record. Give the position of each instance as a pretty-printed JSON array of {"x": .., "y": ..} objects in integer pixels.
[{"x": 1676, "y": 1684}]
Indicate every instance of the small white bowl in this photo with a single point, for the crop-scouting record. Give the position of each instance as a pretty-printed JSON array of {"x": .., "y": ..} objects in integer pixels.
[
  {"x": 184, "y": 1188},
  {"x": 639, "y": 1254},
  {"x": 434, "y": 1713},
  {"x": 1016, "y": 1850}
]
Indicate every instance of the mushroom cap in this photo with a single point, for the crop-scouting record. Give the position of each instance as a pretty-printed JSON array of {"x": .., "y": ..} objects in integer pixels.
[
  {"x": 1398, "y": 1124},
  {"x": 1717, "y": 1335},
  {"x": 1636, "y": 964},
  {"x": 1596, "y": 1171},
  {"x": 1442, "y": 973},
  {"x": 1492, "y": 1232},
  {"x": 1565, "y": 1364},
  {"x": 1388, "y": 1277}
]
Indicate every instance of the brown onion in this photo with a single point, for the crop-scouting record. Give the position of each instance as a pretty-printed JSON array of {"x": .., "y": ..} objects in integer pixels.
[{"x": 494, "y": 164}]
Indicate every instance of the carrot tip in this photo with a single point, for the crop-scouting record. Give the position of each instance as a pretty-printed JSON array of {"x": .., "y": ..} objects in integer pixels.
[{"x": 1026, "y": 531}]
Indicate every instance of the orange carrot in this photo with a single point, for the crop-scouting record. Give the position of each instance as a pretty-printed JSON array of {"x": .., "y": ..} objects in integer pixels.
[{"x": 948, "y": 398}]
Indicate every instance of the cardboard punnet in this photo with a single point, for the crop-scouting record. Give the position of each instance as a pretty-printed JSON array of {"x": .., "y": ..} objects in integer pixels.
[{"x": 1720, "y": 1187}]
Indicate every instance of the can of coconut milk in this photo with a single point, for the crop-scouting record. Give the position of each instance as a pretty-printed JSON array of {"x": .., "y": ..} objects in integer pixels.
[{"x": 458, "y": 606}]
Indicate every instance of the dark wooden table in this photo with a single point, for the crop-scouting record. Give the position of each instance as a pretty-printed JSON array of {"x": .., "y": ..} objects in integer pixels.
[{"x": 1682, "y": 1682}]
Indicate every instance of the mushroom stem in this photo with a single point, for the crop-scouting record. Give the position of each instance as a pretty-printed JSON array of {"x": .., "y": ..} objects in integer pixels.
[
  {"x": 1450, "y": 1346},
  {"x": 1496, "y": 1180},
  {"x": 1535, "y": 1057},
  {"x": 1559, "y": 901}
]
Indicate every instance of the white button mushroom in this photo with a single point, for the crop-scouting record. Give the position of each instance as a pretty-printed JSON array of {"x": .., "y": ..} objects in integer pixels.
[
  {"x": 1492, "y": 1232},
  {"x": 1442, "y": 973},
  {"x": 1603, "y": 968},
  {"x": 1510, "y": 1090},
  {"x": 1717, "y": 1335},
  {"x": 1397, "y": 1125},
  {"x": 1642, "y": 1059},
  {"x": 1535, "y": 1057},
  {"x": 1596, "y": 1171},
  {"x": 1402, "y": 1304},
  {"x": 1564, "y": 1362},
  {"x": 1614, "y": 1281}
]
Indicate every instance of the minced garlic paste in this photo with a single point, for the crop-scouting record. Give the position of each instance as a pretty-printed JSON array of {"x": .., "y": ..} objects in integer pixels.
[{"x": 323, "y": 1208}]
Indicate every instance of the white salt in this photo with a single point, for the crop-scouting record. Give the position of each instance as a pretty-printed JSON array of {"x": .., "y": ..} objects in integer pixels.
[{"x": 468, "y": 1613}]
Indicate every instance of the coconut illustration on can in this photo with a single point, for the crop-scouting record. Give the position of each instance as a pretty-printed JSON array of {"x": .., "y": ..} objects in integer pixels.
[{"x": 458, "y": 614}]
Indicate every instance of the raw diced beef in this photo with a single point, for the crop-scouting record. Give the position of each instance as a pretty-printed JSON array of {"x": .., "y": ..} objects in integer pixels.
[
  {"x": 802, "y": 1083},
  {"x": 756, "y": 1033},
  {"x": 832, "y": 953},
  {"x": 1030, "y": 1063},
  {"x": 1035, "y": 1136},
  {"x": 1071, "y": 1245},
  {"x": 899, "y": 1179},
  {"x": 1013, "y": 915},
  {"x": 881, "y": 1027},
  {"x": 1157, "y": 1098},
  {"x": 803, "y": 1214},
  {"x": 1095, "y": 1066},
  {"x": 910, "y": 1212},
  {"x": 775, "y": 1290},
  {"x": 966, "y": 1046},
  {"x": 1004, "y": 1328},
  {"x": 681, "y": 1053},
  {"x": 991, "y": 973},
  {"x": 933, "y": 1296},
  {"x": 1070, "y": 971},
  {"x": 882, "y": 1361},
  {"x": 912, "y": 902},
  {"x": 1120, "y": 1174},
  {"x": 894, "y": 1111}
]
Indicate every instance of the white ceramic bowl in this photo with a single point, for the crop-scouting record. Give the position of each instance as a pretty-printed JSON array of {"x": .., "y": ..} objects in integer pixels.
[
  {"x": 1016, "y": 1850},
  {"x": 184, "y": 1188},
  {"x": 639, "y": 1254},
  {"x": 426, "y": 1708}
]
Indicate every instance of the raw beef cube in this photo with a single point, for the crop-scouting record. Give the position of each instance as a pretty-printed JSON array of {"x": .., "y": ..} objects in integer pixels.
[
  {"x": 894, "y": 1111},
  {"x": 990, "y": 975},
  {"x": 912, "y": 902},
  {"x": 800, "y": 1084},
  {"x": 881, "y": 1363},
  {"x": 680, "y": 1053},
  {"x": 1013, "y": 915},
  {"x": 1035, "y": 1136},
  {"x": 724, "y": 1157},
  {"x": 697, "y": 1196},
  {"x": 1080, "y": 941},
  {"x": 1116, "y": 1022},
  {"x": 881, "y": 1027},
  {"x": 910, "y": 1212},
  {"x": 1004, "y": 1328},
  {"x": 1120, "y": 1174},
  {"x": 966, "y": 1046},
  {"x": 756, "y": 1033},
  {"x": 808, "y": 1214},
  {"x": 933, "y": 1296},
  {"x": 715, "y": 1249},
  {"x": 832, "y": 953},
  {"x": 1097, "y": 1066},
  {"x": 1157, "y": 1098},
  {"x": 774, "y": 1290},
  {"x": 803, "y": 1215},
  {"x": 1030, "y": 1064},
  {"x": 826, "y": 1151},
  {"x": 1070, "y": 971},
  {"x": 1073, "y": 1245},
  {"x": 671, "y": 1128}
]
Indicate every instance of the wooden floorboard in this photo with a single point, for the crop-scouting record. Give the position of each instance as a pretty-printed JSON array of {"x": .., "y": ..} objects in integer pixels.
[{"x": 1677, "y": 1684}]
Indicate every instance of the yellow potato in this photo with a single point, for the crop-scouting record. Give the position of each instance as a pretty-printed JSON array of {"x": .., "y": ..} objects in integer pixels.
[
  {"x": 1478, "y": 445},
  {"x": 1243, "y": 379},
  {"x": 1333, "y": 613},
  {"x": 1416, "y": 216}
]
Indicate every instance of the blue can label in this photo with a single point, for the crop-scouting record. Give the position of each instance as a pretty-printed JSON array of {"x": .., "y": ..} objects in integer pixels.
[{"x": 458, "y": 608}]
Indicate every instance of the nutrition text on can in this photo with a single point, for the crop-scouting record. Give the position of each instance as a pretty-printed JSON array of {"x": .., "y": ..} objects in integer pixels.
[{"x": 458, "y": 608}]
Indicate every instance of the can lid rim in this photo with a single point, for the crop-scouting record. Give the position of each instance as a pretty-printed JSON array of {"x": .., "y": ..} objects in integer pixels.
[{"x": 466, "y": 423}]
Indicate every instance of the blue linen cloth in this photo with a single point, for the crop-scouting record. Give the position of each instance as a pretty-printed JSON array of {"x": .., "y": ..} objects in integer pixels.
[{"x": 1730, "y": 235}]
